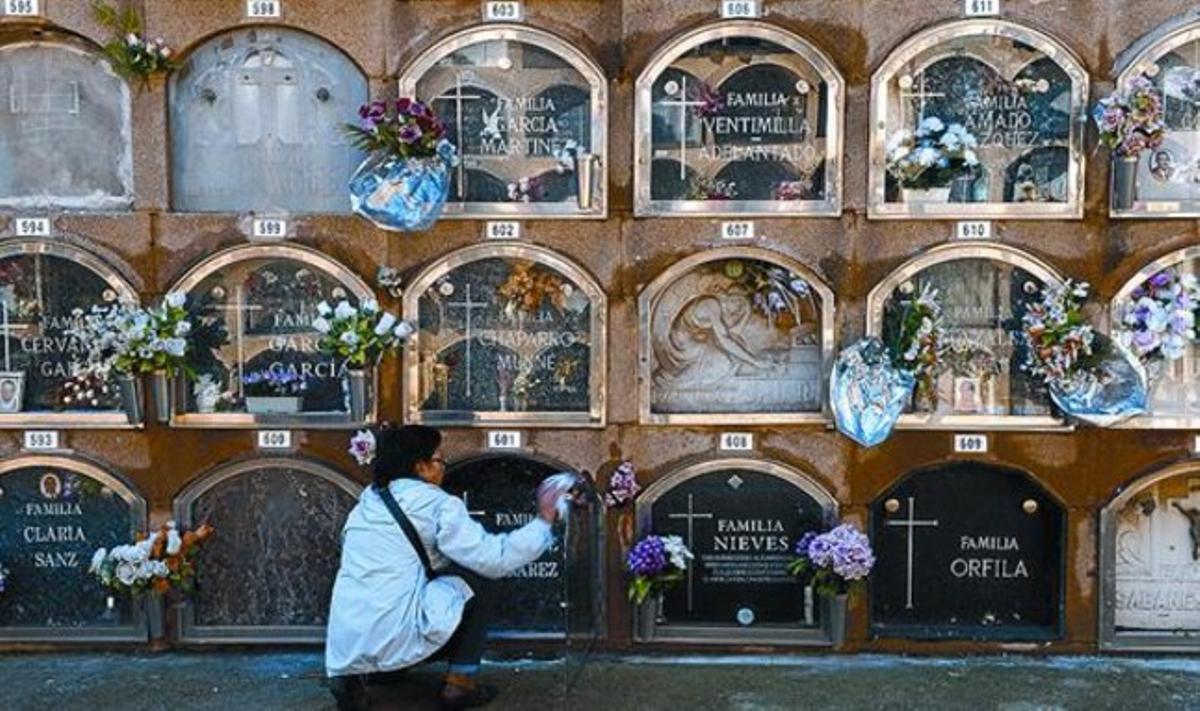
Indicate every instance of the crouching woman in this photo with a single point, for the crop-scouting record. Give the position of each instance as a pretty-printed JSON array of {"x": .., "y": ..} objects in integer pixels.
[{"x": 415, "y": 581}]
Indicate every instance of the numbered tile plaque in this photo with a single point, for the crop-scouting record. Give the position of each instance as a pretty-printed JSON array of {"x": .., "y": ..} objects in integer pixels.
[
  {"x": 734, "y": 335},
  {"x": 507, "y": 335},
  {"x": 528, "y": 113},
  {"x": 739, "y": 117},
  {"x": 978, "y": 118}
]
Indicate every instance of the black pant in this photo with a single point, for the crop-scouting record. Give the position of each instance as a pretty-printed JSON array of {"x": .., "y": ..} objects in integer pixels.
[{"x": 466, "y": 646}]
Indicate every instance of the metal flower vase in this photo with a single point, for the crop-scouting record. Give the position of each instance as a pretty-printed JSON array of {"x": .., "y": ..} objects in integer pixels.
[
  {"x": 130, "y": 387},
  {"x": 160, "y": 392},
  {"x": 401, "y": 194},
  {"x": 1124, "y": 181},
  {"x": 585, "y": 176},
  {"x": 155, "y": 616},
  {"x": 357, "y": 396},
  {"x": 835, "y": 609},
  {"x": 650, "y": 615}
]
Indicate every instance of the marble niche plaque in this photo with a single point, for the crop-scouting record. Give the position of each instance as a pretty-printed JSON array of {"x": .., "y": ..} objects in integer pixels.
[
  {"x": 982, "y": 305},
  {"x": 53, "y": 517},
  {"x": 252, "y": 317},
  {"x": 525, "y": 110},
  {"x": 268, "y": 572},
  {"x": 1016, "y": 92},
  {"x": 499, "y": 493},
  {"x": 41, "y": 286},
  {"x": 735, "y": 337},
  {"x": 967, "y": 550},
  {"x": 65, "y": 128},
  {"x": 256, "y": 124},
  {"x": 506, "y": 338},
  {"x": 1157, "y": 560},
  {"x": 744, "y": 124},
  {"x": 741, "y": 524}
]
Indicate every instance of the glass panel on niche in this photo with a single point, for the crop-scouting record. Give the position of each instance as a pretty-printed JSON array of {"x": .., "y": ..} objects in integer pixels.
[
  {"x": 520, "y": 115},
  {"x": 736, "y": 335},
  {"x": 52, "y": 518},
  {"x": 978, "y": 118},
  {"x": 982, "y": 305},
  {"x": 254, "y": 347},
  {"x": 64, "y": 129},
  {"x": 742, "y": 120},
  {"x": 42, "y": 365},
  {"x": 506, "y": 335},
  {"x": 256, "y": 118}
]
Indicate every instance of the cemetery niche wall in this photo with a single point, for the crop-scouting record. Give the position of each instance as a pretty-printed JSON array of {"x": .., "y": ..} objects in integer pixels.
[
  {"x": 506, "y": 334},
  {"x": 734, "y": 335},
  {"x": 252, "y": 308},
  {"x": 66, "y": 126},
  {"x": 42, "y": 284},
  {"x": 741, "y": 519},
  {"x": 256, "y": 116},
  {"x": 55, "y": 512},
  {"x": 1168, "y": 177},
  {"x": 738, "y": 118},
  {"x": 1020, "y": 95},
  {"x": 967, "y": 550},
  {"x": 267, "y": 574},
  {"x": 528, "y": 112},
  {"x": 1172, "y": 369},
  {"x": 1150, "y": 563},
  {"x": 499, "y": 494},
  {"x": 984, "y": 290}
]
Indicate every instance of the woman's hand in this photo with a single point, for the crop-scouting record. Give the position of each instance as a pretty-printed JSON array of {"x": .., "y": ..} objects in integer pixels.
[{"x": 548, "y": 504}]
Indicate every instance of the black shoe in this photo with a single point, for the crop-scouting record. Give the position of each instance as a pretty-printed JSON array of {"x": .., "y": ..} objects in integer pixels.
[
  {"x": 458, "y": 697},
  {"x": 350, "y": 693}
]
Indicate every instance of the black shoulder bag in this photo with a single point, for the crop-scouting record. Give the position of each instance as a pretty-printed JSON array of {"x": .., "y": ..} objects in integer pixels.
[{"x": 410, "y": 531}]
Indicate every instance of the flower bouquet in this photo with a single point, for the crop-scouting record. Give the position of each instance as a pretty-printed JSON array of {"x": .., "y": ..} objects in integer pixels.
[
  {"x": 776, "y": 293},
  {"x": 132, "y": 55},
  {"x": 362, "y": 447},
  {"x": 656, "y": 563},
  {"x": 926, "y": 161},
  {"x": 622, "y": 486},
  {"x": 833, "y": 562},
  {"x": 404, "y": 182},
  {"x": 359, "y": 336},
  {"x": 160, "y": 563},
  {"x": 274, "y": 391},
  {"x": 1130, "y": 120},
  {"x": 918, "y": 338},
  {"x": 1085, "y": 377},
  {"x": 1158, "y": 323}
]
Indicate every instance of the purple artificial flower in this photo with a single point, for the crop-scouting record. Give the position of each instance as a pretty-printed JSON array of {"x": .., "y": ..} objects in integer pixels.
[
  {"x": 802, "y": 544},
  {"x": 404, "y": 105},
  {"x": 622, "y": 486},
  {"x": 410, "y": 134},
  {"x": 820, "y": 550},
  {"x": 1161, "y": 280},
  {"x": 648, "y": 557}
]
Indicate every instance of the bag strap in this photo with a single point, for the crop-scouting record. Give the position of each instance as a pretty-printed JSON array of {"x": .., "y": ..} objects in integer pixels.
[{"x": 409, "y": 530}]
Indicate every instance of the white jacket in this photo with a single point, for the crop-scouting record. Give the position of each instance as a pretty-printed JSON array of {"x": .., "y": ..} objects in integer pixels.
[{"x": 385, "y": 614}]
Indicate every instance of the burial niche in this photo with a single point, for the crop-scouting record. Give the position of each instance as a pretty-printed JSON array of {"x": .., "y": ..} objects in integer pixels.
[
  {"x": 528, "y": 113},
  {"x": 256, "y": 117},
  {"x": 267, "y": 574},
  {"x": 55, "y": 512},
  {"x": 1172, "y": 363},
  {"x": 506, "y": 334},
  {"x": 741, "y": 519},
  {"x": 984, "y": 291},
  {"x": 1168, "y": 178},
  {"x": 65, "y": 129},
  {"x": 735, "y": 335},
  {"x": 1150, "y": 558},
  {"x": 967, "y": 550},
  {"x": 252, "y": 309},
  {"x": 44, "y": 289},
  {"x": 499, "y": 493},
  {"x": 739, "y": 117},
  {"x": 1019, "y": 97}
]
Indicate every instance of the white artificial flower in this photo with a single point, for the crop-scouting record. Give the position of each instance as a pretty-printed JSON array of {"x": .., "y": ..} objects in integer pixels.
[
  {"x": 677, "y": 551},
  {"x": 321, "y": 325},
  {"x": 98, "y": 560},
  {"x": 159, "y": 569},
  {"x": 403, "y": 330},
  {"x": 933, "y": 124},
  {"x": 126, "y": 573},
  {"x": 176, "y": 299},
  {"x": 344, "y": 310},
  {"x": 183, "y": 328},
  {"x": 970, "y": 158},
  {"x": 370, "y": 306},
  {"x": 174, "y": 542},
  {"x": 176, "y": 347},
  {"x": 132, "y": 40},
  {"x": 323, "y": 308},
  {"x": 350, "y": 338},
  {"x": 385, "y": 324}
]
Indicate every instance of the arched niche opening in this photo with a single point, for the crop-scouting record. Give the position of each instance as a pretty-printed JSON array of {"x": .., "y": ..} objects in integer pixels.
[
  {"x": 741, "y": 519},
  {"x": 266, "y": 575},
  {"x": 984, "y": 291},
  {"x": 1018, "y": 91},
  {"x": 507, "y": 334},
  {"x": 65, "y": 128},
  {"x": 738, "y": 118},
  {"x": 55, "y": 512},
  {"x": 528, "y": 112},
  {"x": 735, "y": 335},
  {"x": 252, "y": 308},
  {"x": 256, "y": 123}
]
